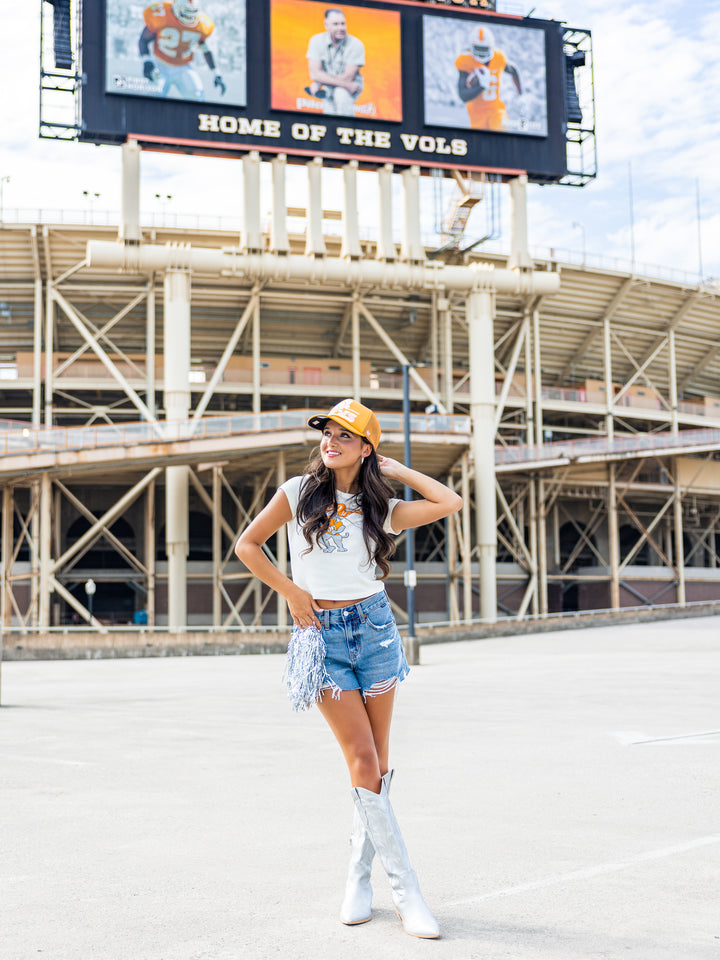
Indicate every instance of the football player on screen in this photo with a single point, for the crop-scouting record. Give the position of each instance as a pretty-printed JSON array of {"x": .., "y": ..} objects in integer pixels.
[
  {"x": 480, "y": 69},
  {"x": 173, "y": 31}
]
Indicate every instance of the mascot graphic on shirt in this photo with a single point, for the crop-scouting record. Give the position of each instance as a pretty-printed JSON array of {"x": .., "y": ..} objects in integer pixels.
[{"x": 333, "y": 539}]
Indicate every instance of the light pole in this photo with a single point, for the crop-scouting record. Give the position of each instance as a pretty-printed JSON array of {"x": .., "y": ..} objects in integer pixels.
[
  {"x": 90, "y": 588},
  {"x": 411, "y": 647},
  {"x": 580, "y": 226},
  {"x": 91, "y": 197},
  {"x": 3, "y": 181}
]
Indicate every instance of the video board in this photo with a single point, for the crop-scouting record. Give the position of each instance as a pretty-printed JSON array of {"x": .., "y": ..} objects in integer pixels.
[{"x": 380, "y": 82}]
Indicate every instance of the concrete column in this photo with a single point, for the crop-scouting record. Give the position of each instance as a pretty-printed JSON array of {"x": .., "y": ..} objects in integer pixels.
[
  {"x": 386, "y": 249},
  {"x": 679, "y": 546},
  {"x": 251, "y": 239},
  {"x": 479, "y": 309},
  {"x": 443, "y": 306},
  {"x": 216, "y": 545},
  {"x": 129, "y": 231},
  {"x": 351, "y": 248},
  {"x": 45, "y": 542},
  {"x": 315, "y": 242},
  {"x": 519, "y": 255},
  {"x": 35, "y": 555},
  {"x": 537, "y": 378},
  {"x": 177, "y": 407},
  {"x": 412, "y": 249},
  {"x": 37, "y": 355},
  {"x": 451, "y": 551},
  {"x": 529, "y": 407},
  {"x": 533, "y": 541},
  {"x": 466, "y": 535},
  {"x": 672, "y": 380},
  {"x": 150, "y": 348},
  {"x": 6, "y": 556},
  {"x": 49, "y": 340},
  {"x": 279, "y": 241},
  {"x": 613, "y": 539},
  {"x": 355, "y": 332},
  {"x": 150, "y": 551},
  {"x": 542, "y": 547},
  {"x": 607, "y": 364}
]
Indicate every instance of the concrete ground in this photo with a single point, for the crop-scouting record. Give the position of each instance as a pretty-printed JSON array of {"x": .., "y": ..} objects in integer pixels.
[{"x": 558, "y": 793}]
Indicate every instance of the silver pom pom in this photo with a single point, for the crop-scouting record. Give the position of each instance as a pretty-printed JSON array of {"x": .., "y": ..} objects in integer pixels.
[{"x": 305, "y": 667}]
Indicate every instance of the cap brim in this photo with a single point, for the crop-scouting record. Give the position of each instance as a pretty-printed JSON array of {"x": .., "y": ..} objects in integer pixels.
[{"x": 317, "y": 422}]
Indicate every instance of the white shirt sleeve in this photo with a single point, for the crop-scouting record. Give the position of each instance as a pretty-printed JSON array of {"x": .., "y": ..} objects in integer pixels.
[
  {"x": 387, "y": 526},
  {"x": 291, "y": 489}
]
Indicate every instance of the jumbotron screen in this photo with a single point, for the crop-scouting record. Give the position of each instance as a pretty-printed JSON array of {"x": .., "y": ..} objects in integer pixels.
[{"x": 400, "y": 82}]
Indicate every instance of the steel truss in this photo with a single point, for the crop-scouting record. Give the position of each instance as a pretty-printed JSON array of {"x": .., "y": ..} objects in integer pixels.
[{"x": 606, "y": 533}]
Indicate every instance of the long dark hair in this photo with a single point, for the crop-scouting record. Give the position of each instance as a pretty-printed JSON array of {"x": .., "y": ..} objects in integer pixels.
[{"x": 318, "y": 500}]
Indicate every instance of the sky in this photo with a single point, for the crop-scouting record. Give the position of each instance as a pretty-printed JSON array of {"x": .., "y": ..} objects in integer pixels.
[{"x": 657, "y": 87}]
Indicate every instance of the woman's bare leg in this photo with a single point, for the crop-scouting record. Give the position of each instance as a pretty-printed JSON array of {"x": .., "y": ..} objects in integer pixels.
[{"x": 363, "y": 731}]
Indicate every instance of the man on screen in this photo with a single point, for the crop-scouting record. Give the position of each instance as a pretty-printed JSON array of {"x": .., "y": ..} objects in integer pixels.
[
  {"x": 174, "y": 30},
  {"x": 480, "y": 68},
  {"x": 334, "y": 61}
]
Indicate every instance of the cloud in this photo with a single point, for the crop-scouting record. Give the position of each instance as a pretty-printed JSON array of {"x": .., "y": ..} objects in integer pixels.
[{"x": 657, "y": 88}]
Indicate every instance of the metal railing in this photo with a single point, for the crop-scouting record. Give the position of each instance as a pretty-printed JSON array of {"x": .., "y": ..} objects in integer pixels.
[
  {"x": 578, "y": 449},
  {"x": 169, "y": 219},
  {"x": 24, "y": 438}
]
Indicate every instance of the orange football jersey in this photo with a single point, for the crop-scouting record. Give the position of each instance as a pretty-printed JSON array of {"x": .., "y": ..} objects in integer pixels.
[
  {"x": 175, "y": 42},
  {"x": 486, "y": 110}
]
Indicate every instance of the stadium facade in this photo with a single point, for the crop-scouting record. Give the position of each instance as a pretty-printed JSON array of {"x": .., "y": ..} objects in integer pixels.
[{"x": 155, "y": 385}]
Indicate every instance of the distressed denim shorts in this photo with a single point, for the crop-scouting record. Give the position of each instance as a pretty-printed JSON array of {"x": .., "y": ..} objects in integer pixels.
[{"x": 363, "y": 649}]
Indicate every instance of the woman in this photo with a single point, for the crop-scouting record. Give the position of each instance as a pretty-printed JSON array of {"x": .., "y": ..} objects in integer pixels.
[{"x": 341, "y": 516}]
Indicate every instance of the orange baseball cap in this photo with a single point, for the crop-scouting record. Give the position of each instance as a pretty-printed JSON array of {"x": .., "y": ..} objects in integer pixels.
[{"x": 358, "y": 419}]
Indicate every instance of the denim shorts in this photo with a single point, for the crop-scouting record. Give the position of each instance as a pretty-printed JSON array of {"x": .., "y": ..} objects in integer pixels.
[{"x": 363, "y": 649}]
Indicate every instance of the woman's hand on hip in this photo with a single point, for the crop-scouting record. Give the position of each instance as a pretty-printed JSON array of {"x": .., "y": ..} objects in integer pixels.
[{"x": 302, "y": 609}]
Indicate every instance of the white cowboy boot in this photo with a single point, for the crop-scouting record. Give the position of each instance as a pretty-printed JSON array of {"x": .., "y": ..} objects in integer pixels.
[
  {"x": 357, "y": 905},
  {"x": 377, "y": 815}
]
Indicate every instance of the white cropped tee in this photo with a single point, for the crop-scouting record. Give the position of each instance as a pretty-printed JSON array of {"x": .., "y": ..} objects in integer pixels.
[{"x": 338, "y": 566}]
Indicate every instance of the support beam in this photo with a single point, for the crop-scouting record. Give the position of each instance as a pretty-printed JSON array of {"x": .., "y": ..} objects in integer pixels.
[
  {"x": 37, "y": 354},
  {"x": 177, "y": 407},
  {"x": 431, "y": 274},
  {"x": 466, "y": 537},
  {"x": 519, "y": 254},
  {"x": 129, "y": 231},
  {"x": 385, "y": 248},
  {"x": 251, "y": 237},
  {"x": 45, "y": 545},
  {"x": 672, "y": 380},
  {"x": 606, "y": 317},
  {"x": 279, "y": 241},
  {"x": 479, "y": 311},
  {"x": 250, "y": 310},
  {"x": 315, "y": 241},
  {"x": 150, "y": 551},
  {"x": 412, "y": 249},
  {"x": 403, "y": 360},
  {"x": 613, "y": 539},
  {"x": 355, "y": 320},
  {"x": 607, "y": 375},
  {"x": 446, "y": 321},
  {"x": 150, "y": 321},
  {"x": 679, "y": 540},
  {"x": 351, "y": 248},
  {"x": 542, "y": 563},
  {"x": 95, "y": 346}
]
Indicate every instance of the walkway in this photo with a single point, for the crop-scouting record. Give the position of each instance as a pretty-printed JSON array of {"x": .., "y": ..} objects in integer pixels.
[{"x": 558, "y": 792}]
